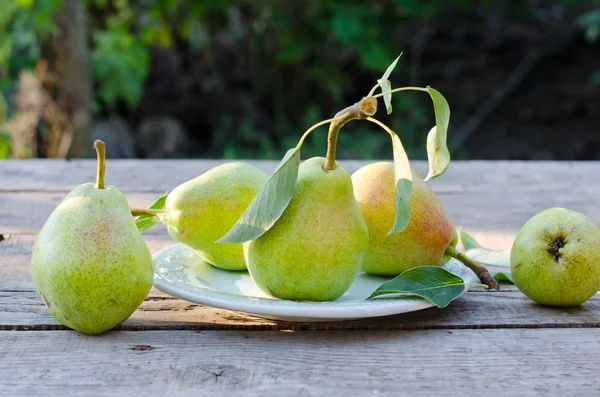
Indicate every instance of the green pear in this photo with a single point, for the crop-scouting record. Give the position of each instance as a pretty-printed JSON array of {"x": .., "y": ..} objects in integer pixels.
[
  {"x": 202, "y": 210},
  {"x": 426, "y": 238},
  {"x": 315, "y": 249},
  {"x": 89, "y": 262},
  {"x": 555, "y": 259}
]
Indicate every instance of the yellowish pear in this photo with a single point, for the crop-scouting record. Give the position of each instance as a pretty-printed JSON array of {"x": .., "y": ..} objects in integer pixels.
[{"x": 427, "y": 236}]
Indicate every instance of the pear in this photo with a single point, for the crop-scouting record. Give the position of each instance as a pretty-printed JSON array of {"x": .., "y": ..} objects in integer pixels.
[
  {"x": 89, "y": 262},
  {"x": 555, "y": 259},
  {"x": 202, "y": 210},
  {"x": 315, "y": 249},
  {"x": 427, "y": 236}
]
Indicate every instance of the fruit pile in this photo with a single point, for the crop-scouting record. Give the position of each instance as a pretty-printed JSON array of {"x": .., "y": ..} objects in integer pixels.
[{"x": 303, "y": 233}]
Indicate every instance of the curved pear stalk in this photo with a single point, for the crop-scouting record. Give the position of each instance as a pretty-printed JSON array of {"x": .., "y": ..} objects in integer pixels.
[{"x": 484, "y": 275}]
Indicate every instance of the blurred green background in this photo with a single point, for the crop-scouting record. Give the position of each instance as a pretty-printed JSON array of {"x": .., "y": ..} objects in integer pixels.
[{"x": 244, "y": 79}]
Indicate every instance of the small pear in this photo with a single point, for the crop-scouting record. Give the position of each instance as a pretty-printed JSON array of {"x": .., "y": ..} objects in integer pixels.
[
  {"x": 315, "y": 249},
  {"x": 555, "y": 259},
  {"x": 89, "y": 262},
  {"x": 425, "y": 239},
  {"x": 202, "y": 210}
]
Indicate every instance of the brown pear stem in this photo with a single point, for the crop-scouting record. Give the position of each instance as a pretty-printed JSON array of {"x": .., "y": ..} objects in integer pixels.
[
  {"x": 361, "y": 110},
  {"x": 101, "y": 152},
  {"x": 142, "y": 211},
  {"x": 484, "y": 275}
]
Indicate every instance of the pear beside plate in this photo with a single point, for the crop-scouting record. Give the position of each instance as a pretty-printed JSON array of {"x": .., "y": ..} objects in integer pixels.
[{"x": 181, "y": 273}]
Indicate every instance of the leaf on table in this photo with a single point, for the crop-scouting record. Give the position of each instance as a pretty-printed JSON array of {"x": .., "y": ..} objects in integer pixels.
[
  {"x": 269, "y": 203},
  {"x": 433, "y": 283},
  {"x": 480, "y": 254},
  {"x": 468, "y": 242},
  {"x": 437, "y": 148},
  {"x": 403, "y": 180},
  {"x": 145, "y": 222},
  {"x": 503, "y": 277}
]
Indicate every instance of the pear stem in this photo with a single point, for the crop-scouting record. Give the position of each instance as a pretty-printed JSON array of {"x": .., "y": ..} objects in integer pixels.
[
  {"x": 361, "y": 110},
  {"x": 101, "y": 152},
  {"x": 142, "y": 211},
  {"x": 484, "y": 275}
]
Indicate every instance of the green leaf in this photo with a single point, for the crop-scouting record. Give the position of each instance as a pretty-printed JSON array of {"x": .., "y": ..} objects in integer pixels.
[
  {"x": 403, "y": 179},
  {"x": 145, "y": 222},
  {"x": 433, "y": 283},
  {"x": 390, "y": 68},
  {"x": 386, "y": 85},
  {"x": 468, "y": 241},
  {"x": 480, "y": 254},
  {"x": 387, "y": 98},
  {"x": 269, "y": 203},
  {"x": 437, "y": 148},
  {"x": 505, "y": 277},
  {"x": 489, "y": 257}
]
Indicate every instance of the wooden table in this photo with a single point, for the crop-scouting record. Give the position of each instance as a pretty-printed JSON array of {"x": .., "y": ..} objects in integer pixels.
[{"x": 499, "y": 343}]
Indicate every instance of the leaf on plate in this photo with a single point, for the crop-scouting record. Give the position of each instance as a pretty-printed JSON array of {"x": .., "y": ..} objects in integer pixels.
[
  {"x": 145, "y": 222},
  {"x": 269, "y": 203},
  {"x": 437, "y": 148},
  {"x": 433, "y": 283},
  {"x": 403, "y": 180}
]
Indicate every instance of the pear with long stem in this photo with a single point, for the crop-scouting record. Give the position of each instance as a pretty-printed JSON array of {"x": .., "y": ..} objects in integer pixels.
[{"x": 89, "y": 263}]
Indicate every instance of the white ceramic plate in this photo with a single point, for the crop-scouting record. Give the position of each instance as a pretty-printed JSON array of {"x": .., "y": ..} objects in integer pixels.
[{"x": 181, "y": 273}]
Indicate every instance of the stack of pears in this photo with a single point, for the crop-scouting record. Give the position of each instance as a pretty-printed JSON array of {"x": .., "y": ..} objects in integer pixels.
[
  {"x": 426, "y": 238},
  {"x": 89, "y": 263},
  {"x": 200, "y": 211}
]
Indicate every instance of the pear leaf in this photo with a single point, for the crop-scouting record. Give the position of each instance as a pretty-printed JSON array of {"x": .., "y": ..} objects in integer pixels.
[
  {"x": 433, "y": 283},
  {"x": 480, "y": 254},
  {"x": 437, "y": 148},
  {"x": 468, "y": 242},
  {"x": 386, "y": 86},
  {"x": 269, "y": 203},
  {"x": 403, "y": 180},
  {"x": 145, "y": 222},
  {"x": 390, "y": 69},
  {"x": 505, "y": 277}
]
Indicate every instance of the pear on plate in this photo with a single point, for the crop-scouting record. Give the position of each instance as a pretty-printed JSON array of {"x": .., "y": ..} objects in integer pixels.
[
  {"x": 89, "y": 262},
  {"x": 425, "y": 239},
  {"x": 315, "y": 249},
  {"x": 555, "y": 259},
  {"x": 200, "y": 211}
]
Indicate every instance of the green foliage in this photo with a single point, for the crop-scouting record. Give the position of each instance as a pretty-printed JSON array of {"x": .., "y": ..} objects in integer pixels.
[
  {"x": 120, "y": 63},
  {"x": 5, "y": 146},
  {"x": 433, "y": 283},
  {"x": 272, "y": 67},
  {"x": 146, "y": 222}
]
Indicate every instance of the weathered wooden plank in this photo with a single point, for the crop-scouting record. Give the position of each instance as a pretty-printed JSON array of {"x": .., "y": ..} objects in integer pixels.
[
  {"x": 495, "y": 197},
  {"x": 15, "y": 257},
  {"x": 162, "y": 175},
  {"x": 26, "y": 212},
  {"x": 24, "y": 310},
  {"x": 513, "y": 362}
]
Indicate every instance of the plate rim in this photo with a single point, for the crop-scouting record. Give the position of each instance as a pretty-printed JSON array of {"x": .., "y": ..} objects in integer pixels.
[{"x": 266, "y": 307}]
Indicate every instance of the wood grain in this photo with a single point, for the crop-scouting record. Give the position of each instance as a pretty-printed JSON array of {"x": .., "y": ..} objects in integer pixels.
[
  {"x": 511, "y": 362},
  {"x": 24, "y": 310}
]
